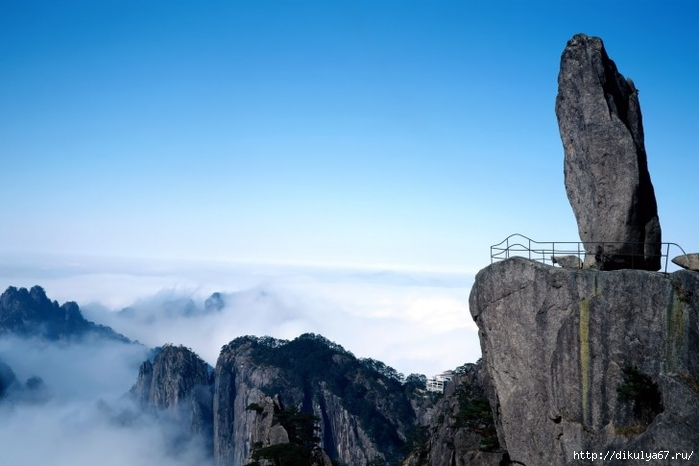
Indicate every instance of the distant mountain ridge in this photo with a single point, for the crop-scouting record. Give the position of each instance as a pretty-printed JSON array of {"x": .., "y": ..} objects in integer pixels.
[
  {"x": 355, "y": 412},
  {"x": 363, "y": 409},
  {"x": 307, "y": 400},
  {"x": 30, "y": 313}
]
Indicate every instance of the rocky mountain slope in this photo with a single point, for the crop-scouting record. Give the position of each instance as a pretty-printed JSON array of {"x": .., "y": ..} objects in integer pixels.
[
  {"x": 362, "y": 413},
  {"x": 178, "y": 384},
  {"x": 307, "y": 398},
  {"x": 462, "y": 431},
  {"x": 266, "y": 393},
  {"x": 27, "y": 313},
  {"x": 261, "y": 397}
]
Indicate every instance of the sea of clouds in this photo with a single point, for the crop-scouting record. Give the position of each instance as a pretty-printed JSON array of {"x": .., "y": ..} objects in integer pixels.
[
  {"x": 414, "y": 321},
  {"x": 81, "y": 415}
]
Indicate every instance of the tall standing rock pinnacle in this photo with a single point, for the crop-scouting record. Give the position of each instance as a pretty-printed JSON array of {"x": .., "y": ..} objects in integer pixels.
[{"x": 606, "y": 171}]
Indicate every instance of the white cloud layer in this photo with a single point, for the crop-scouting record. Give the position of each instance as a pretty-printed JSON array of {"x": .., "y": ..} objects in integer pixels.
[
  {"x": 82, "y": 417},
  {"x": 415, "y": 321}
]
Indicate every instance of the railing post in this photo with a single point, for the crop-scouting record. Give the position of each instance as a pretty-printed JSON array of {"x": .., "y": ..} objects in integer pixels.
[{"x": 579, "y": 250}]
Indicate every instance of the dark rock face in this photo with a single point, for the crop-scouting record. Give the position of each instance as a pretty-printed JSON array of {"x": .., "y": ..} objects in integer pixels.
[
  {"x": 178, "y": 383},
  {"x": 461, "y": 432},
  {"x": 362, "y": 413},
  {"x": 606, "y": 171},
  {"x": 585, "y": 360},
  {"x": 356, "y": 411},
  {"x": 30, "y": 313}
]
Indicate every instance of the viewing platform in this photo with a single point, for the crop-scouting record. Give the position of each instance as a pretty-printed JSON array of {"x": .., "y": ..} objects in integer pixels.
[{"x": 548, "y": 252}]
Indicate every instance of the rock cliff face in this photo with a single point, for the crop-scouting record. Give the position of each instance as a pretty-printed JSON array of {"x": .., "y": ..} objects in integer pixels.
[
  {"x": 362, "y": 414},
  {"x": 308, "y": 398},
  {"x": 178, "y": 383},
  {"x": 586, "y": 360},
  {"x": 462, "y": 432},
  {"x": 606, "y": 171},
  {"x": 238, "y": 386}
]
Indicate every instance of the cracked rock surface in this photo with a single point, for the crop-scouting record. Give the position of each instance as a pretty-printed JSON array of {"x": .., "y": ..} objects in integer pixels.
[
  {"x": 606, "y": 169},
  {"x": 556, "y": 346}
]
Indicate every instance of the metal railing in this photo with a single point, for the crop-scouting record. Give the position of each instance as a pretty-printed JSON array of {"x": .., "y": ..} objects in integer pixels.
[{"x": 542, "y": 251}]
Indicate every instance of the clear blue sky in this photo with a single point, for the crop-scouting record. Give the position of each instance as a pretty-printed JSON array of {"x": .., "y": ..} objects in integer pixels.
[{"x": 400, "y": 133}]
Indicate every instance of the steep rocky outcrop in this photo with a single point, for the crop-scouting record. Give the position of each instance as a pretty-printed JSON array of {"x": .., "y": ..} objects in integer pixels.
[
  {"x": 305, "y": 402},
  {"x": 179, "y": 383},
  {"x": 361, "y": 413},
  {"x": 586, "y": 360},
  {"x": 30, "y": 313},
  {"x": 237, "y": 387},
  {"x": 462, "y": 431},
  {"x": 687, "y": 261},
  {"x": 606, "y": 171}
]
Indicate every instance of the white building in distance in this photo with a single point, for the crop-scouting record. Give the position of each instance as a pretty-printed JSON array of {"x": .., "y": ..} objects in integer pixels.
[{"x": 437, "y": 383}]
